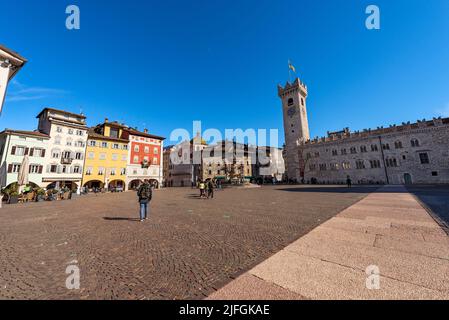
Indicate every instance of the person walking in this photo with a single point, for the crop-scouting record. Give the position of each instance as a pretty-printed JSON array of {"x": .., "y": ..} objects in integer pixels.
[
  {"x": 145, "y": 193},
  {"x": 202, "y": 189},
  {"x": 349, "y": 182},
  {"x": 210, "y": 189}
]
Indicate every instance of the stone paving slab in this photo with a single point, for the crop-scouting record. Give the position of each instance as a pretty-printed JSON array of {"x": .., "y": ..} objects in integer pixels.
[
  {"x": 388, "y": 229},
  {"x": 393, "y": 264},
  {"x": 250, "y": 287},
  {"x": 318, "y": 279}
]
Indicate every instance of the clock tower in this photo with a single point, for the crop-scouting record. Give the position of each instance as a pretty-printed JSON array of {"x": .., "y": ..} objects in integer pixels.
[{"x": 296, "y": 125}]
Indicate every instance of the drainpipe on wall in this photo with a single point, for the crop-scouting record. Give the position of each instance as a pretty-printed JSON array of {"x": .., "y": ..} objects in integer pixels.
[{"x": 383, "y": 159}]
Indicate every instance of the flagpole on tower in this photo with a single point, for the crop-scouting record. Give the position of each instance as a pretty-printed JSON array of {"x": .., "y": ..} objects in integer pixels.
[{"x": 291, "y": 68}]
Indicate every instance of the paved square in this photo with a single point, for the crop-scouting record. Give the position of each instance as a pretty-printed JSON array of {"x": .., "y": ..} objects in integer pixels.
[{"x": 188, "y": 249}]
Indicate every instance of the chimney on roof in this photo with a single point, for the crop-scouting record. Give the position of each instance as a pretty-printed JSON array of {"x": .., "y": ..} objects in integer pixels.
[
  {"x": 106, "y": 120},
  {"x": 145, "y": 130}
]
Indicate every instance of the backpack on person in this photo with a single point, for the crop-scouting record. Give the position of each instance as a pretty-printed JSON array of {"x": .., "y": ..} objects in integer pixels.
[{"x": 145, "y": 192}]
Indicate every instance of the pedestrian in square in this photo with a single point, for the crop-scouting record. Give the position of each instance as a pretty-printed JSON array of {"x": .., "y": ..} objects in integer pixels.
[
  {"x": 145, "y": 194},
  {"x": 202, "y": 189},
  {"x": 349, "y": 182},
  {"x": 210, "y": 189}
]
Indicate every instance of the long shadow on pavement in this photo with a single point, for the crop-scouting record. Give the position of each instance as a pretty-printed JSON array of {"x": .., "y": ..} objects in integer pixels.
[
  {"x": 336, "y": 189},
  {"x": 120, "y": 219},
  {"x": 436, "y": 199}
]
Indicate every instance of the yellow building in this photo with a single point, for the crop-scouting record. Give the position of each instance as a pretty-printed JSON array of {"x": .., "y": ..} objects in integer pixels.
[{"x": 106, "y": 157}]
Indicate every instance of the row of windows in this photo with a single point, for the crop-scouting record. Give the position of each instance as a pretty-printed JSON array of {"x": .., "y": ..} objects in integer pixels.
[
  {"x": 23, "y": 151},
  {"x": 146, "y": 149},
  {"x": 33, "y": 168},
  {"x": 363, "y": 149},
  {"x": 56, "y": 168},
  {"x": 105, "y": 144},
  {"x": 145, "y": 159},
  {"x": 69, "y": 142},
  {"x": 390, "y": 162},
  {"x": 103, "y": 156},
  {"x": 70, "y": 131},
  {"x": 57, "y": 154},
  {"x": 144, "y": 139},
  {"x": 101, "y": 171},
  {"x": 292, "y": 102}
]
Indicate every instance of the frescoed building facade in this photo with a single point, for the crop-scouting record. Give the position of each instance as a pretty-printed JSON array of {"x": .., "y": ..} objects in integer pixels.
[
  {"x": 64, "y": 159},
  {"x": 145, "y": 159},
  {"x": 106, "y": 157},
  {"x": 14, "y": 146}
]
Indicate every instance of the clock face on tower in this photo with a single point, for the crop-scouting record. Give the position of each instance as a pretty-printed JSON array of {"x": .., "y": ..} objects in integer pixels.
[{"x": 291, "y": 111}]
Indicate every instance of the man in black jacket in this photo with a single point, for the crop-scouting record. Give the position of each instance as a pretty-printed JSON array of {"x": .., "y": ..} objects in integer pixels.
[{"x": 145, "y": 193}]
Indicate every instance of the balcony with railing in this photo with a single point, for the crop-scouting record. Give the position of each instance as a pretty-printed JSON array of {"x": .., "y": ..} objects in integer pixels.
[{"x": 66, "y": 160}]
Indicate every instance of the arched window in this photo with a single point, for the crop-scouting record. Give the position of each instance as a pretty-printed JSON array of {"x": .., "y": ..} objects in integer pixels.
[
  {"x": 398, "y": 145},
  {"x": 290, "y": 102},
  {"x": 302, "y": 101},
  {"x": 414, "y": 142}
]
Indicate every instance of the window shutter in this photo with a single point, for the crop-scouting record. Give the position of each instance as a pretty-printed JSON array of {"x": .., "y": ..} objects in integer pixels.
[
  {"x": 13, "y": 150},
  {"x": 48, "y": 168},
  {"x": 9, "y": 168},
  {"x": 31, "y": 152},
  {"x": 43, "y": 153},
  {"x": 27, "y": 150}
]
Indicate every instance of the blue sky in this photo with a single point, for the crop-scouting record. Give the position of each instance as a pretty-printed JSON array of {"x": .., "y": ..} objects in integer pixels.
[{"x": 164, "y": 64}]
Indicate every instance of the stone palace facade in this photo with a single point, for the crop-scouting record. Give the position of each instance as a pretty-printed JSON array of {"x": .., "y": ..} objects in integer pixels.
[{"x": 410, "y": 153}]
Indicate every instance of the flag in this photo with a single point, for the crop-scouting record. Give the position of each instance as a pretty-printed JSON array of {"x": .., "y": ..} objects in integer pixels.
[{"x": 291, "y": 67}]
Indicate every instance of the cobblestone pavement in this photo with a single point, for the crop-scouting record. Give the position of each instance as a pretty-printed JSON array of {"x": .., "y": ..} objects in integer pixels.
[{"x": 189, "y": 248}]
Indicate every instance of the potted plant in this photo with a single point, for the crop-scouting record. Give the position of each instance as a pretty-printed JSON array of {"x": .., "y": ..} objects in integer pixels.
[
  {"x": 40, "y": 195},
  {"x": 13, "y": 197}
]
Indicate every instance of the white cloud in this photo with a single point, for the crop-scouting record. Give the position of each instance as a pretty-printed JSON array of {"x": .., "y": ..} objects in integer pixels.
[{"x": 20, "y": 92}]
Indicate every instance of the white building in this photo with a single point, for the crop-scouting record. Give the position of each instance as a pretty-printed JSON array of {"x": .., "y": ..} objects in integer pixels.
[
  {"x": 14, "y": 146},
  {"x": 187, "y": 167},
  {"x": 64, "y": 158},
  {"x": 270, "y": 164}
]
